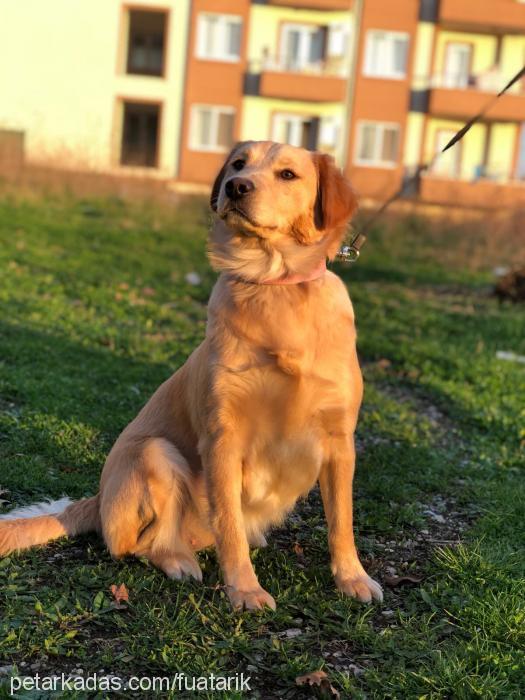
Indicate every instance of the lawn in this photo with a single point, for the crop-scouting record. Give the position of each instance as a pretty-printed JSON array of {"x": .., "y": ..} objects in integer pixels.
[{"x": 95, "y": 312}]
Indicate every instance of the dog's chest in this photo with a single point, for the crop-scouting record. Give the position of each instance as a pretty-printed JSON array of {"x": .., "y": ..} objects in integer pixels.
[
  {"x": 283, "y": 385},
  {"x": 284, "y": 426},
  {"x": 277, "y": 472}
]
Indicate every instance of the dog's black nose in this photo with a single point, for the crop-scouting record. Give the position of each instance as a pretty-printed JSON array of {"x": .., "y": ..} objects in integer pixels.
[{"x": 237, "y": 187}]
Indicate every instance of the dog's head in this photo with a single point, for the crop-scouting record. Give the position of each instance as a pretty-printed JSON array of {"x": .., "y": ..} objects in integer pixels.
[{"x": 281, "y": 210}]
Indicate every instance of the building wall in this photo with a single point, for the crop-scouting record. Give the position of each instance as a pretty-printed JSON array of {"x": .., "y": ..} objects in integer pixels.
[
  {"x": 312, "y": 94},
  {"x": 64, "y": 92},
  {"x": 513, "y": 56},
  {"x": 211, "y": 82},
  {"x": 423, "y": 55},
  {"x": 381, "y": 99}
]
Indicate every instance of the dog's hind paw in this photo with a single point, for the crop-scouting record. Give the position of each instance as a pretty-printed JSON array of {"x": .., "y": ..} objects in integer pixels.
[
  {"x": 179, "y": 567},
  {"x": 250, "y": 600},
  {"x": 361, "y": 587}
]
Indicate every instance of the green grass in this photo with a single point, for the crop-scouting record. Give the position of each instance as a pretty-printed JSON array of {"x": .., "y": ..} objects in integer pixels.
[{"x": 95, "y": 312}]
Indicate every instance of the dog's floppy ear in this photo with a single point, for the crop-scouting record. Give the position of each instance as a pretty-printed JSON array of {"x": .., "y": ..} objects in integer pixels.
[
  {"x": 220, "y": 176},
  {"x": 336, "y": 200}
]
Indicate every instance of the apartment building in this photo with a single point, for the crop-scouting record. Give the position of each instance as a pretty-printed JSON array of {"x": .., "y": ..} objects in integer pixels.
[
  {"x": 94, "y": 84},
  {"x": 165, "y": 87},
  {"x": 276, "y": 70}
]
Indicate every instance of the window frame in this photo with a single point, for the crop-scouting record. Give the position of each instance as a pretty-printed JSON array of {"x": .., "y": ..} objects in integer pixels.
[
  {"x": 451, "y": 81},
  {"x": 200, "y": 48},
  {"x": 297, "y": 117},
  {"x": 455, "y": 153},
  {"x": 122, "y": 101},
  {"x": 391, "y": 74},
  {"x": 129, "y": 9},
  {"x": 306, "y": 28},
  {"x": 215, "y": 110},
  {"x": 377, "y": 162},
  {"x": 337, "y": 126}
]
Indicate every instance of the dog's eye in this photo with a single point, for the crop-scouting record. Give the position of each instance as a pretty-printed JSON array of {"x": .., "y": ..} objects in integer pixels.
[
  {"x": 288, "y": 174},
  {"x": 238, "y": 164}
]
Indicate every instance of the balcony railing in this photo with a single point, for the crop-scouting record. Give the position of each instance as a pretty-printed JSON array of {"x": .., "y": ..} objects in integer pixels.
[
  {"x": 491, "y": 81},
  {"x": 333, "y": 67},
  {"x": 319, "y": 82}
]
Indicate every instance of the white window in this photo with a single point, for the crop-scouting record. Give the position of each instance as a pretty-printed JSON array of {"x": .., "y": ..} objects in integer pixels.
[
  {"x": 302, "y": 47},
  {"x": 377, "y": 144},
  {"x": 211, "y": 128},
  {"x": 338, "y": 40},
  {"x": 447, "y": 164},
  {"x": 329, "y": 134},
  {"x": 386, "y": 54},
  {"x": 457, "y": 65},
  {"x": 219, "y": 37},
  {"x": 294, "y": 129}
]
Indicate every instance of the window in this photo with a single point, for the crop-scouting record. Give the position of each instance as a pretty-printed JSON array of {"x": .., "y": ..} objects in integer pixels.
[
  {"x": 457, "y": 65},
  {"x": 140, "y": 134},
  {"x": 219, "y": 37},
  {"x": 338, "y": 39},
  {"x": 295, "y": 129},
  {"x": 386, "y": 54},
  {"x": 302, "y": 46},
  {"x": 146, "y": 40},
  {"x": 211, "y": 128},
  {"x": 377, "y": 144},
  {"x": 447, "y": 164},
  {"x": 329, "y": 134},
  {"x": 337, "y": 48}
]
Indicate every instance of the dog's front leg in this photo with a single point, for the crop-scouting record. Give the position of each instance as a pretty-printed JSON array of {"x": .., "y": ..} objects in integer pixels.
[
  {"x": 224, "y": 480},
  {"x": 336, "y": 489}
]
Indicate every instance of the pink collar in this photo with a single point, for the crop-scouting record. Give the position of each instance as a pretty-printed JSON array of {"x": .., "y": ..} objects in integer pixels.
[{"x": 297, "y": 278}]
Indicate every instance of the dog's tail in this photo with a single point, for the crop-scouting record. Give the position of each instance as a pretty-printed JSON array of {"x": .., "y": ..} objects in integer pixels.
[{"x": 42, "y": 522}]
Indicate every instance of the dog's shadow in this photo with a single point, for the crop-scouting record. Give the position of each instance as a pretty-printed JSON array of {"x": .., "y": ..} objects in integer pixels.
[{"x": 59, "y": 397}]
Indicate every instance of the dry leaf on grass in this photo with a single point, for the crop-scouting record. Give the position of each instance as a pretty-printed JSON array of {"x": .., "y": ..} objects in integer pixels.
[
  {"x": 320, "y": 680},
  {"x": 120, "y": 594},
  {"x": 395, "y": 581},
  {"x": 299, "y": 552}
]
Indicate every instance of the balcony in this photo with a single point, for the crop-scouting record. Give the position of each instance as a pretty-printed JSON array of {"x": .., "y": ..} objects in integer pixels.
[
  {"x": 480, "y": 194},
  {"x": 322, "y": 82},
  {"x": 312, "y": 4},
  {"x": 454, "y": 98},
  {"x": 496, "y": 16}
]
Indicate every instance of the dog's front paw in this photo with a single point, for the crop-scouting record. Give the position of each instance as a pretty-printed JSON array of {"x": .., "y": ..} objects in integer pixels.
[
  {"x": 255, "y": 599},
  {"x": 360, "y": 586}
]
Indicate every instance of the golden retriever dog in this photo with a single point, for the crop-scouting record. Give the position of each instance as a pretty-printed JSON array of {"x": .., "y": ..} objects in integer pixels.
[{"x": 262, "y": 410}]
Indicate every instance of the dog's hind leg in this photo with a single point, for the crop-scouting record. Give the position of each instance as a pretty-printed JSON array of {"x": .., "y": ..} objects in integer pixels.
[{"x": 143, "y": 513}]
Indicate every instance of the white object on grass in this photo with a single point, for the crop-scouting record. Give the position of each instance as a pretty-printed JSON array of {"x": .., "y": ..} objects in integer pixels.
[
  {"x": 510, "y": 356},
  {"x": 193, "y": 278}
]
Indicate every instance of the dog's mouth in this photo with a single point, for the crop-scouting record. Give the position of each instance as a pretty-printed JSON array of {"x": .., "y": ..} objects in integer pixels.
[
  {"x": 237, "y": 212},
  {"x": 234, "y": 210}
]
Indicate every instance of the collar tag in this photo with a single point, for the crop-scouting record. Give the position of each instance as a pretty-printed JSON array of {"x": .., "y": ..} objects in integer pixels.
[{"x": 350, "y": 253}]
